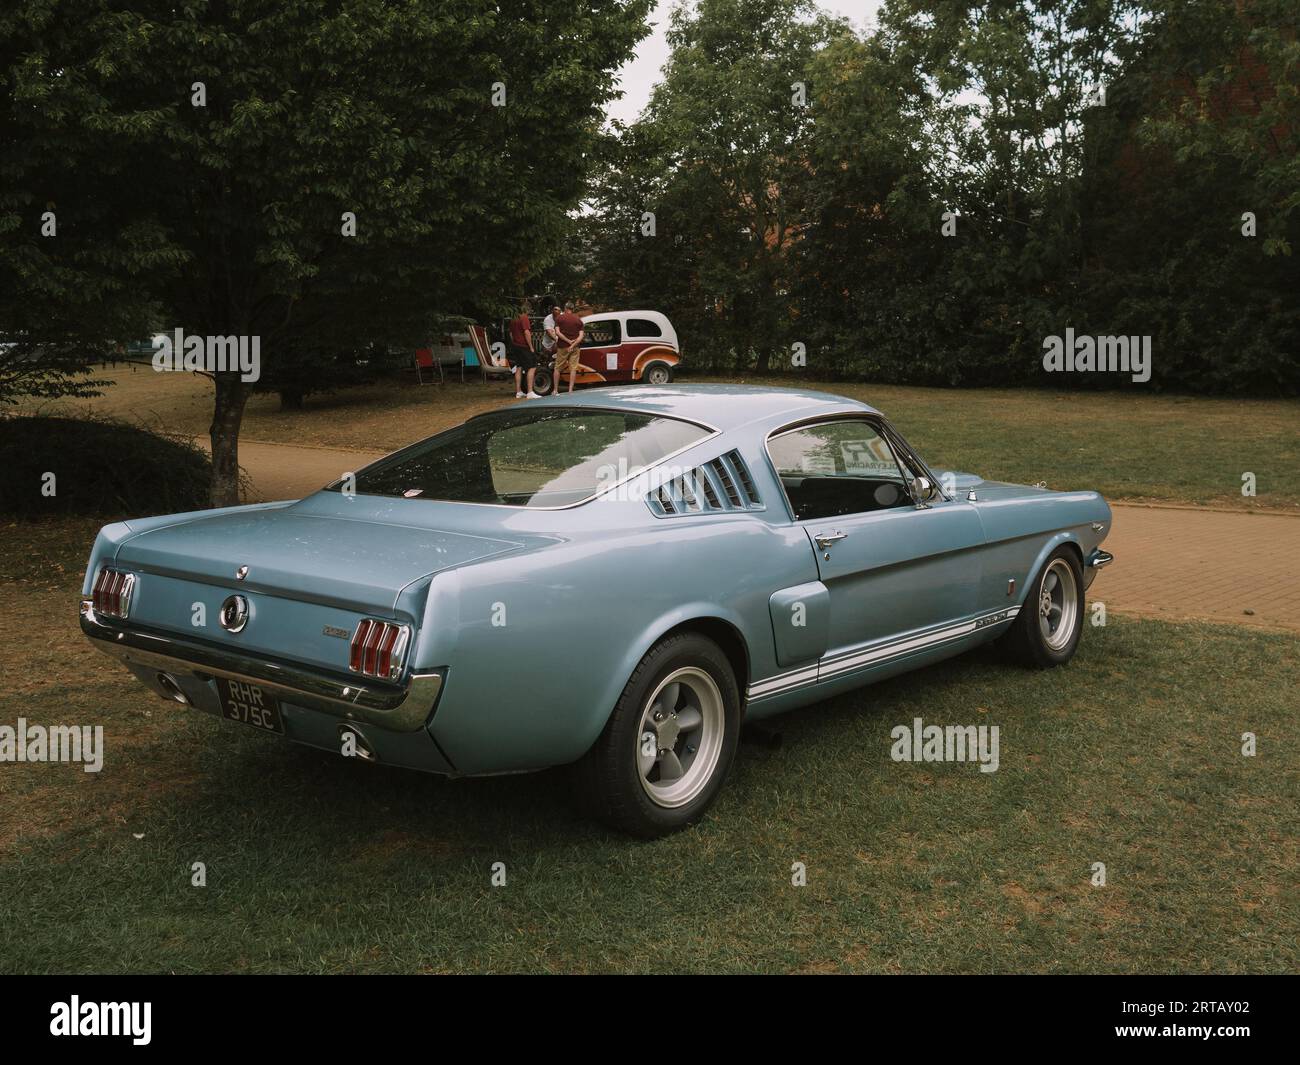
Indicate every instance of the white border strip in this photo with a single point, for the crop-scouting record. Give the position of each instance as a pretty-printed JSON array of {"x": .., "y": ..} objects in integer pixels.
[{"x": 848, "y": 661}]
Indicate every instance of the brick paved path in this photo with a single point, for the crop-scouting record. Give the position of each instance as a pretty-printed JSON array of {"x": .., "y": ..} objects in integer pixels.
[
  {"x": 1187, "y": 562},
  {"x": 1170, "y": 562}
]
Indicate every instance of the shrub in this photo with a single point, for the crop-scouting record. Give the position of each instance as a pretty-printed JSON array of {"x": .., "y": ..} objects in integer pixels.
[{"x": 99, "y": 467}]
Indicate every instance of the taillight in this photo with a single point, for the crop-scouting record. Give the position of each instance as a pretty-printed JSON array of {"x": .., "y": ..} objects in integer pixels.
[
  {"x": 112, "y": 593},
  {"x": 378, "y": 648}
]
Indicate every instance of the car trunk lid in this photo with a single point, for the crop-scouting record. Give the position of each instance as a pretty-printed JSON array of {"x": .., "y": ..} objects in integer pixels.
[
  {"x": 308, "y": 556},
  {"x": 314, "y": 574}
]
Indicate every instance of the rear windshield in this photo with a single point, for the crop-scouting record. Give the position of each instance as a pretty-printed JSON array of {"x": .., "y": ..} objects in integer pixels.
[{"x": 548, "y": 457}]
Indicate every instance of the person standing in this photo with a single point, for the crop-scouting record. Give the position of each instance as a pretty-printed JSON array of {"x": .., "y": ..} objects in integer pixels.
[
  {"x": 568, "y": 339},
  {"x": 522, "y": 356},
  {"x": 548, "y": 333}
]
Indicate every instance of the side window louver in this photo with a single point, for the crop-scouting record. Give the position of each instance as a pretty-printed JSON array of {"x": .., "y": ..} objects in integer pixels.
[{"x": 719, "y": 485}]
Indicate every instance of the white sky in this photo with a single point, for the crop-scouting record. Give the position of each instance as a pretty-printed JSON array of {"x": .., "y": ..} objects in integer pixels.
[{"x": 637, "y": 77}]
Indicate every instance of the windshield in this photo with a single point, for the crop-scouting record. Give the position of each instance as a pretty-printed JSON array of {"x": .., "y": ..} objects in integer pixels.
[{"x": 550, "y": 457}]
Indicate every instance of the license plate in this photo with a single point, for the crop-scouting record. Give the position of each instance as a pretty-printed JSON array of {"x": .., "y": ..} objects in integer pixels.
[{"x": 249, "y": 704}]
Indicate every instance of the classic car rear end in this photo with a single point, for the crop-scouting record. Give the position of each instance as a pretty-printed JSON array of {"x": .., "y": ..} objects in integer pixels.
[
  {"x": 334, "y": 620},
  {"x": 284, "y": 617}
]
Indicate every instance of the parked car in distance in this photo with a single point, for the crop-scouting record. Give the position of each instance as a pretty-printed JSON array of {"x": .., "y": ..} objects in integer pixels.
[
  {"x": 621, "y": 347},
  {"x": 614, "y": 580}
]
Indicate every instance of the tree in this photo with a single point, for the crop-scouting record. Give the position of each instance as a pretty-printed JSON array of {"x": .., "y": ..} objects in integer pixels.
[
  {"x": 711, "y": 160},
  {"x": 69, "y": 258},
  {"x": 324, "y": 176},
  {"x": 870, "y": 241},
  {"x": 1000, "y": 91},
  {"x": 965, "y": 181},
  {"x": 1192, "y": 201},
  {"x": 1092, "y": 160}
]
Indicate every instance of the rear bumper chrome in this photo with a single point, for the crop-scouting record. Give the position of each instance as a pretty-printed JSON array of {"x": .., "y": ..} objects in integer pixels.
[{"x": 399, "y": 709}]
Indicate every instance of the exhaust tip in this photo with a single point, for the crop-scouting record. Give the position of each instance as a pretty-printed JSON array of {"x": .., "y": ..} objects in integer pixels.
[
  {"x": 353, "y": 744},
  {"x": 172, "y": 689}
]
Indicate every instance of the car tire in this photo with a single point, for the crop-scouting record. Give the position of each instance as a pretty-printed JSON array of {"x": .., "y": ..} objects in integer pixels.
[
  {"x": 543, "y": 380},
  {"x": 669, "y": 744},
  {"x": 1046, "y": 631},
  {"x": 657, "y": 373}
]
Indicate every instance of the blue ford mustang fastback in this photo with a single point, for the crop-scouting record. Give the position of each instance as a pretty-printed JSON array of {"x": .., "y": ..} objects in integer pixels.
[{"x": 613, "y": 580}]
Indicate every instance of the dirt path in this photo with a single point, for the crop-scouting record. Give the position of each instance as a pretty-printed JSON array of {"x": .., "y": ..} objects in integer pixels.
[
  {"x": 1170, "y": 562},
  {"x": 289, "y": 471}
]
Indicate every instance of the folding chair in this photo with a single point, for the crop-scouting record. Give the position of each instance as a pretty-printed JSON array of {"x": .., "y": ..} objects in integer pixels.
[
  {"x": 424, "y": 360},
  {"x": 447, "y": 350},
  {"x": 490, "y": 364}
]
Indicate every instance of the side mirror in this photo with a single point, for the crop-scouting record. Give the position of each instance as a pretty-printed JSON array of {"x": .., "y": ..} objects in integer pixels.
[{"x": 922, "y": 491}]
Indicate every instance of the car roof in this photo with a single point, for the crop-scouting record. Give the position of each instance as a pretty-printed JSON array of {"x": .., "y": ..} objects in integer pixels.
[
  {"x": 724, "y": 407},
  {"x": 657, "y": 316}
]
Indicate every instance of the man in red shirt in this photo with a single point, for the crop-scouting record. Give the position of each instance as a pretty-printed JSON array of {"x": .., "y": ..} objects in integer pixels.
[
  {"x": 521, "y": 351},
  {"x": 569, "y": 334}
]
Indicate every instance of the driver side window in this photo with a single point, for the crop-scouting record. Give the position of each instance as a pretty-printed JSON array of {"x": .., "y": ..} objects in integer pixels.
[{"x": 838, "y": 468}]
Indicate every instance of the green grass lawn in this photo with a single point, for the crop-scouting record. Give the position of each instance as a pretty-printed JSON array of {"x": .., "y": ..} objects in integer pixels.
[
  {"x": 1130, "y": 756},
  {"x": 1127, "y": 445}
]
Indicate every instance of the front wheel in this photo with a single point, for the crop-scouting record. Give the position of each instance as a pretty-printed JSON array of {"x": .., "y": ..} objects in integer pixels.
[
  {"x": 1046, "y": 631},
  {"x": 667, "y": 748},
  {"x": 543, "y": 380}
]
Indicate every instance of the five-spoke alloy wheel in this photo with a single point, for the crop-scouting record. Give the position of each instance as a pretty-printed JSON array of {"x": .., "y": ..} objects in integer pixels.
[
  {"x": 666, "y": 749},
  {"x": 1058, "y": 604},
  {"x": 680, "y": 737},
  {"x": 1047, "y": 629}
]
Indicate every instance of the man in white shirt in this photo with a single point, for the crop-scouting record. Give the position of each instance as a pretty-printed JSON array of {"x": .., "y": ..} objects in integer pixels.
[{"x": 548, "y": 328}]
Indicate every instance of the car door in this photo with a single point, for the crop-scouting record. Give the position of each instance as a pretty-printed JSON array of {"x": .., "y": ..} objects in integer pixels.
[
  {"x": 897, "y": 574},
  {"x": 601, "y": 346}
]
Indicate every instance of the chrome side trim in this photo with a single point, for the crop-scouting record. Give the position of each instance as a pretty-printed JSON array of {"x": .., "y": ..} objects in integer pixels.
[
  {"x": 857, "y": 658},
  {"x": 401, "y": 710},
  {"x": 846, "y": 663},
  {"x": 794, "y": 679}
]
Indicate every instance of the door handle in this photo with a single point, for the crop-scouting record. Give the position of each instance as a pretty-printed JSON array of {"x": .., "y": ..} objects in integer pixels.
[{"x": 824, "y": 540}]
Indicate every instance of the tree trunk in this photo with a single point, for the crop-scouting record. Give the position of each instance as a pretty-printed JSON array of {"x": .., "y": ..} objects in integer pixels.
[
  {"x": 290, "y": 399},
  {"x": 227, "y": 414}
]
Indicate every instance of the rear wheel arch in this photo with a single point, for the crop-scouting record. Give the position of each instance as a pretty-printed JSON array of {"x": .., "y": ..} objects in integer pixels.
[
  {"x": 657, "y": 368},
  {"x": 729, "y": 638},
  {"x": 693, "y": 734}
]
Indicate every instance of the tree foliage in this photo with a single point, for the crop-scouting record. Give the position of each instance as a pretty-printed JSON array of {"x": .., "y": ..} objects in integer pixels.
[
  {"x": 217, "y": 147},
  {"x": 968, "y": 179},
  {"x": 712, "y": 161}
]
